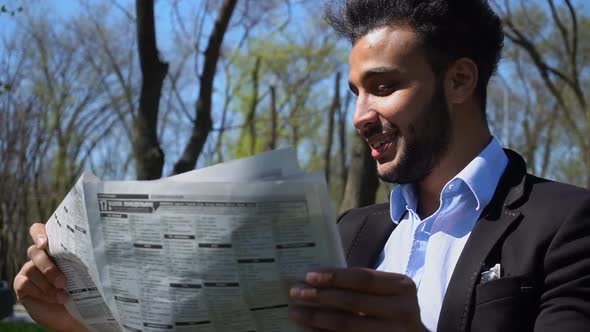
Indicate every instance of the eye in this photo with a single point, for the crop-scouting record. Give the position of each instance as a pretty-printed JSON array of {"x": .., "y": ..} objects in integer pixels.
[{"x": 384, "y": 89}]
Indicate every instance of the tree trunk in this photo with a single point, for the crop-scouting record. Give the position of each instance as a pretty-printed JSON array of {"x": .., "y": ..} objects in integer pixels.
[
  {"x": 272, "y": 141},
  {"x": 362, "y": 183},
  {"x": 203, "y": 122},
  {"x": 342, "y": 118},
  {"x": 334, "y": 108},
  {"x": 149, "y": 157},
  {"x": 251, "y": 116}
]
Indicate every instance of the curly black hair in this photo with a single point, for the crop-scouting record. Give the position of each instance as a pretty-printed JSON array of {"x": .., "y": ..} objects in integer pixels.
[{"x": 447, "y": 29}]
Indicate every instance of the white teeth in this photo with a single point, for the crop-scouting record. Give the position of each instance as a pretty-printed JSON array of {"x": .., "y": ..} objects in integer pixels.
[{"x": 381, "y": 141}]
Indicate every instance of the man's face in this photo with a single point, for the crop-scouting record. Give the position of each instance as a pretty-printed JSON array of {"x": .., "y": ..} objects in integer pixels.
[{"x": 401, "y": 108}]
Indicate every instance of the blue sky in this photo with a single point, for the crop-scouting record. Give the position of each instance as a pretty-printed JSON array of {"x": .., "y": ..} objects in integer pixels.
[{"x": 164, "y": 25}]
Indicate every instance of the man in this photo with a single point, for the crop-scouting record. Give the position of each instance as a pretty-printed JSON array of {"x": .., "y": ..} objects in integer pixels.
[
  {"x": 487, "y": 246},
  {"x": 469, "y": 240}
]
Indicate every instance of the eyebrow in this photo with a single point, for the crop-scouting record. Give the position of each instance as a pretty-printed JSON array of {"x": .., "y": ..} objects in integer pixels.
[
  {"x": 375, "y": 72},
  {"x": 379, "y": 71}
]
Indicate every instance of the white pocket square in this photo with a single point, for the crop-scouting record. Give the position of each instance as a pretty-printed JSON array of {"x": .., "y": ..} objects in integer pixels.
[{"x": 492, "y": 274}]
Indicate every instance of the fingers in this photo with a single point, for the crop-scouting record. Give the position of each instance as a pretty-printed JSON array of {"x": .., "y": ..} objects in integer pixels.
[
  {"x": 52, "y": 316},
  {"x": 379, "y": 306},
  {"x": 331, "y": 320},
  {"x": 25, "y": 288},
  {"x": 40, "y": 258},
  {"x": 44, "y": 264},
  {"x": 39, "y": 235},
  {"x": 30, "y": 282},
  {"x": 363, "y": 280},
  {"x": 37, "y": 278},
  {"x": 357, "y": 299}
]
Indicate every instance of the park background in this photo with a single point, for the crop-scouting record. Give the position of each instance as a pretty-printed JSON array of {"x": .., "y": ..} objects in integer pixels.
[{"x": 146, "y": 89}]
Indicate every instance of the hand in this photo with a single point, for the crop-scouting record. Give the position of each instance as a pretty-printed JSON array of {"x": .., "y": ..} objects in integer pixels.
[
  {"x": 39, "y": 286},
  {"x": 357, "y": 299}
]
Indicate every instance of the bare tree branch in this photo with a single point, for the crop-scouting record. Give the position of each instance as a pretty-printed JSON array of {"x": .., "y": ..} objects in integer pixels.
[
  {"x": 203, "y": 122},
  {"x": 149, "y": 157}
]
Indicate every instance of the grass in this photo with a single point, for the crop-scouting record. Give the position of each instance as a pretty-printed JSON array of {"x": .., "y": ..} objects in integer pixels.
[{"x": 21, "y": 327}]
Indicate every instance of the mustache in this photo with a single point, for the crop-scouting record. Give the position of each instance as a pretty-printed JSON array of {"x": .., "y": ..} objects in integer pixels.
[{"x": 374, "y": 129}]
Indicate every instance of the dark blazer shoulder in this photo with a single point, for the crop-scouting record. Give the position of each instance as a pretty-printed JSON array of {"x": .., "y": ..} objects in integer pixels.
[
  {"x": 364, "y": 212},
  {"x": 542, "y": 254},
  {"x": 550, "y": 204},
  {"x": 364, "y": 232},
  {"x": 544, "y": 193},
  {"x": 539, "y": 232}
]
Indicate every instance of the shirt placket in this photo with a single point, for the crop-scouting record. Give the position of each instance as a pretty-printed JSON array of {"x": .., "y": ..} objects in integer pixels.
[{"x": 416, "y": 262}]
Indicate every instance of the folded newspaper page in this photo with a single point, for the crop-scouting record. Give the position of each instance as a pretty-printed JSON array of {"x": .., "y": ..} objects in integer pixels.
[{"x": 215, "y": 249}]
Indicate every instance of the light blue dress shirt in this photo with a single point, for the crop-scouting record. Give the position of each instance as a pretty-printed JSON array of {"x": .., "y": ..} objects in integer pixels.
[{"x": 427, "y": 250}]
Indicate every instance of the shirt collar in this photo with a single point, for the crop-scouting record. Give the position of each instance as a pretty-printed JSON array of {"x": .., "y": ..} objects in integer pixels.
[
  {"x": 399, "y": 201},
  {"x": 481, "y": 176}
]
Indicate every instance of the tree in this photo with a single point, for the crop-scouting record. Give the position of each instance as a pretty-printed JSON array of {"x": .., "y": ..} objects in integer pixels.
[
  {"x": 149, "y": 157},
  {"x": 362, "y": 184},
  {"x": 556, "y": 42},
  {"x": 20, "y": 132},
  {"x": 102, "y": 92},
  {"x": 334, "y": 109},
  {"x": 203, "y": 121},
  {"x": 50, "y": 125},
  {"x": 5, "y": 87},
  {"x": 297, "y": 68}
]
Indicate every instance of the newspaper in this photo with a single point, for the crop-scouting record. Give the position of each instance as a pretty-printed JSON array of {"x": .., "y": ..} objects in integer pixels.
[{"x": 215, "y": 249}]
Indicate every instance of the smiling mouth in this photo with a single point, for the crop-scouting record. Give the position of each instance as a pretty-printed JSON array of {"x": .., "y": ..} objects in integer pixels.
[
  {"x": 383, "y": 140},
  {"x": 381, "y": 144}
]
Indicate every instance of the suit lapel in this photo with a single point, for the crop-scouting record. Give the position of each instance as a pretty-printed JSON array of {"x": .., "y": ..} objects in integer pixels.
[
  {"x": 363, "y": 238},
  {"x": 496, "y": 219}
]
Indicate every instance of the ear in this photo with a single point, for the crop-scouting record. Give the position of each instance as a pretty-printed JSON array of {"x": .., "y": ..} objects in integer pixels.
[{"x": 461, "y": 80}]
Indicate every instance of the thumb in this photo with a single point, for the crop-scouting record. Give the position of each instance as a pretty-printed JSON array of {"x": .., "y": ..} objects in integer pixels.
[{"x": 39, "y": 235}]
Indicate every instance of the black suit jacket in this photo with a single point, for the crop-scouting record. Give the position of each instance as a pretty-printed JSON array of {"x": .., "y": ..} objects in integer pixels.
[{"x": 538, "y": 230}]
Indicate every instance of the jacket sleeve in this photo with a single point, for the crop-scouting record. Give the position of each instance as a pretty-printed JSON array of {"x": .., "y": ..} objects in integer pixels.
[{"x": 565, "y": 297}]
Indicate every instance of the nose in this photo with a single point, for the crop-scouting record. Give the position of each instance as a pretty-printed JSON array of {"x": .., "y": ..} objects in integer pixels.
[{"x": 365, "y": 118}]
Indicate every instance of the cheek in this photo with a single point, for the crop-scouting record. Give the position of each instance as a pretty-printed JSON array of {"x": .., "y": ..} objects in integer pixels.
[
  {"x": 401, "y": 108},
  {"x": 403, "y": 141}
]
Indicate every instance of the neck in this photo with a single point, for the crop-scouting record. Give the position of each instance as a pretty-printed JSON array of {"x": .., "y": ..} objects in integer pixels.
[{"x": 465, "y": 144}]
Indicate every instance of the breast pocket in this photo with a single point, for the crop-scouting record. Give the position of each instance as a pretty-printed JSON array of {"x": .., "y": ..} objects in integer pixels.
[{"x": 505, "y": 304}]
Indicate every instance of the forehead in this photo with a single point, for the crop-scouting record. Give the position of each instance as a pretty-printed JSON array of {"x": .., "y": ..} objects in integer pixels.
[{"x": 390, "y": 46}]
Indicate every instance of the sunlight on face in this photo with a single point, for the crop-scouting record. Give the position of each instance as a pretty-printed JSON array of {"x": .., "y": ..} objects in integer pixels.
[{"x": 400, "y": 109}]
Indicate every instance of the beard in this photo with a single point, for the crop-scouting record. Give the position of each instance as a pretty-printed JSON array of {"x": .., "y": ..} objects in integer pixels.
[{"x": 424, "y": 144}]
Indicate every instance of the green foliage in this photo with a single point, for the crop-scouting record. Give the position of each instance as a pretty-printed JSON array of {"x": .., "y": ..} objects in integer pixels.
[
  {"x": 12, "y": 12},
  {"x": 21, "y": 327},
  {"x": 4, "y": 87},
  {"x": 301, "y": 70}
]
